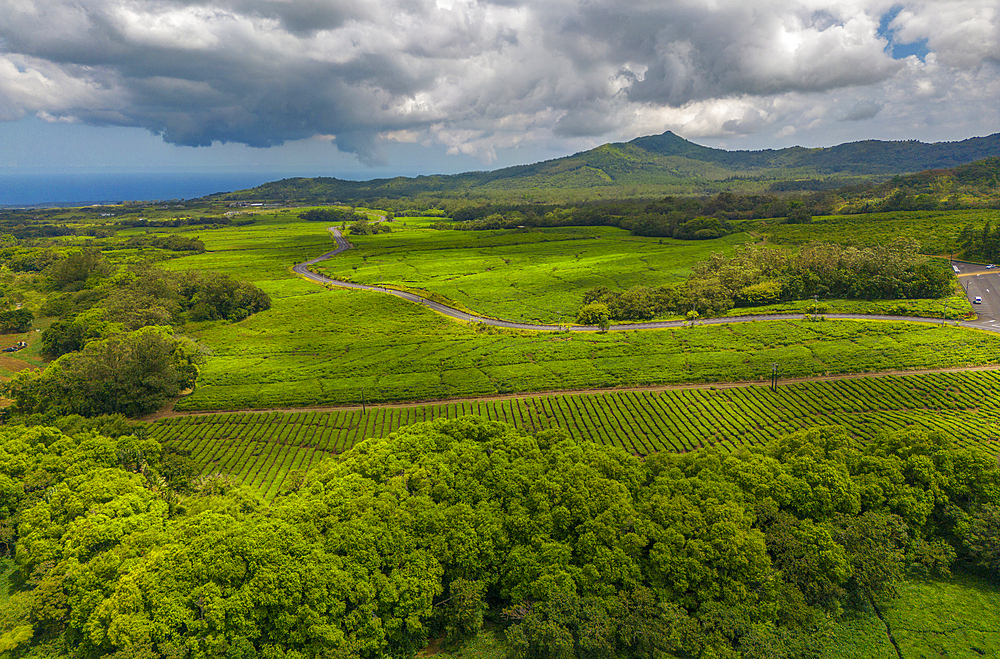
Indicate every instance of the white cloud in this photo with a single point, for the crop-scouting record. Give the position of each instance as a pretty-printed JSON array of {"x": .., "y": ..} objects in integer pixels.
[
  {"x": 962, "y": 33},
  {"x": 477, "y": 76},
  {"x": 35, "y": 86}
]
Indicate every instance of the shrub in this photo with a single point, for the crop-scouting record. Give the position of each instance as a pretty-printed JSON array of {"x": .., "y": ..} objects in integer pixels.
[
  {"x": 593, "y": 314},
  {"x": 15, "y": 320}
]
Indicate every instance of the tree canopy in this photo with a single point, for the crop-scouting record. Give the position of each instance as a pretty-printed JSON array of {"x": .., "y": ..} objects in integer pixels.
[
  {"x": 573, "y": 548},
  {"x": 755, "y": 276},
  {"x": 131, "y": 374}
]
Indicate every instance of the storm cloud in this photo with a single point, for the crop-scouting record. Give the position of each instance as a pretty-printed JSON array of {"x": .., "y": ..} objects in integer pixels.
[{"x": 476, "y": 76}]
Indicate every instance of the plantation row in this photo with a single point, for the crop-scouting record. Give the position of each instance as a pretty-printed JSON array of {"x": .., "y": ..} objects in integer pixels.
[{"x": 270, "y": 451}]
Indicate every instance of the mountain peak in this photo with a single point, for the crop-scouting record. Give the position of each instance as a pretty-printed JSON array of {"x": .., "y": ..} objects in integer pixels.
[{"x": 669, "y": 144}]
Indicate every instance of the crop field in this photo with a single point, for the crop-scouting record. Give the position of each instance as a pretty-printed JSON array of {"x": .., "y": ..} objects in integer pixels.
[
  {"x": 536, "y": 276},
  {"x": 263, "y": 252},
  {"x": 325, "y": 347},
  {"x": 934, "y": 230},
  {"x": 264, "y": 450}
]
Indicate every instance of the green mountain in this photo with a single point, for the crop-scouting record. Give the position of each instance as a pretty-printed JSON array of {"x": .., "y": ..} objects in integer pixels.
[
  {"x": 869, "y": 157},
  {"x": 656, "y": 164}
]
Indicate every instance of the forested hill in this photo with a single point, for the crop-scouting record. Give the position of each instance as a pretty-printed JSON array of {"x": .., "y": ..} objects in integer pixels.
[
  {"x": 857, "y": 158},
  {"x": 650, "y": 166}
]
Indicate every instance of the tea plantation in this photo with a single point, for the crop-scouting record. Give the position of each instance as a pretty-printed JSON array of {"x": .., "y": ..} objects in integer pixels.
[{"x": 269, "y": 451}]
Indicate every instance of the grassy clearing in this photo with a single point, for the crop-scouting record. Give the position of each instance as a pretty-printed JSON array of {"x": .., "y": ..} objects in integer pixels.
[
  {"x": 487, "y": 644},
  {"x": 30, "y": 357},
  {"x": 538, "y": 275},
  {"x": 266, "y": 451},
  {"x": 958, "y": 617},
  {"x": 860, "y": 635},
  {"x": 954, "y": 617}
]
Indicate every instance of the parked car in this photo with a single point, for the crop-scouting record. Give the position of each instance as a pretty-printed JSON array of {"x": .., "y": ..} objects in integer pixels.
[{"x": 978, "y": 300}]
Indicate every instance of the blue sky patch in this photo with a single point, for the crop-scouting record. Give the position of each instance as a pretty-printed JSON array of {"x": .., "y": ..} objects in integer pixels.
[{"x": 895, "y": 49}]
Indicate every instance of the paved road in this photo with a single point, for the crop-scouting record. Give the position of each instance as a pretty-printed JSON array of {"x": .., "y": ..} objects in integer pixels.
[
  {"x": 982, "y": 281},
  {"x": 979, "y": 280}
]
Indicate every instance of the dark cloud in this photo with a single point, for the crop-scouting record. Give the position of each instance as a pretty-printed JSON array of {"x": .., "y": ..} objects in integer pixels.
[
  {"x": 476, "y": 75},
  {"x": 587, "y": 122},
  {"x": 306, "y": 16},
  {"x": 862, "y": 111}
]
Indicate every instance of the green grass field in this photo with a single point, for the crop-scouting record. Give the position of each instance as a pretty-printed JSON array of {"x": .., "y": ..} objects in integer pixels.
[
  {"x": 262, "y": 450},
  {"x": 536, "y": 276},
  {"x": 263, "y": 252},
  {"x": 322, "y": 347},
  {"x": 934, "y": 230}
]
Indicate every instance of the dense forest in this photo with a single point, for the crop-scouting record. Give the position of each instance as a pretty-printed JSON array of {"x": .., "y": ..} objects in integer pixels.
[
  {"x": 972, "y": 185},
  {"x": 982, "y": 244},
  {"x": 572, "y": 548}
]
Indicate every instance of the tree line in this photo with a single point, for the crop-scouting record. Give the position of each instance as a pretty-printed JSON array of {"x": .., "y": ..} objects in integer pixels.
[
  {"x": 755, "y": 275},
  {"x": 128, "y": 373},
  {"x": 96, "y": 298},
  {"x": 980, "y": 244},
  {"x": 204, "y": 220},
  {"x": 572, "y": 549},
  {"x": 335, "y": 215},
  {"x": 113, "y": 334},
  {"x": 684, "y": 218}
]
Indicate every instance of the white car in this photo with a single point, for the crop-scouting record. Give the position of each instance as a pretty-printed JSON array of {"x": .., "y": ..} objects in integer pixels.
[{"x": 978, "y": 300}]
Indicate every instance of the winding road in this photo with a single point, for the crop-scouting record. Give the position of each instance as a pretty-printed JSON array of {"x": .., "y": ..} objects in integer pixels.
[
  {"x": 985, "y": 277},
  {"x": 977, "y": 279}
]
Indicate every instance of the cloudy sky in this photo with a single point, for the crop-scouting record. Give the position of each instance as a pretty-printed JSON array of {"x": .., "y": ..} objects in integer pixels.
[{"x": 386, "y": 86}]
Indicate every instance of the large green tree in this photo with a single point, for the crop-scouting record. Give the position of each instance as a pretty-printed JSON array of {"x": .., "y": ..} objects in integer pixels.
[{"x": 131, "y": 374}]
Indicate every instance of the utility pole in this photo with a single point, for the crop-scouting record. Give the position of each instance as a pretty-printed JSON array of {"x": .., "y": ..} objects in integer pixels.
[
  {"x": 774, "y": 377},
  {"x": 362, "y": 400}
]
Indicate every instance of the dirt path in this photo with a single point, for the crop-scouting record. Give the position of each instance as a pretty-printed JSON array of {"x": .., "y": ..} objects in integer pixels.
[{"x": 169, "y": 412}]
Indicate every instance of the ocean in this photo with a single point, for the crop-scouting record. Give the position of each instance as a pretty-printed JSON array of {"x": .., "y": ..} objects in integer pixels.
[{"x": 37, "y": 189}]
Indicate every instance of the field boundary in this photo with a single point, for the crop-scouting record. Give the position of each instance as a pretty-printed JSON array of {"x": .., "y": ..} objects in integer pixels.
[
  {"x": 270, "y": 452},
  {"x": 168, "y": 412}
]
